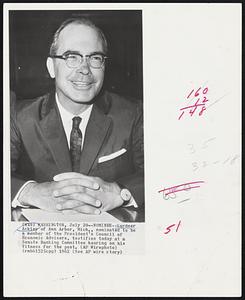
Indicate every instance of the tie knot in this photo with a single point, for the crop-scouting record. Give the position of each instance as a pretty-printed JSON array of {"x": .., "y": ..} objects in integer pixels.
[{"x": 76, "y": 122}]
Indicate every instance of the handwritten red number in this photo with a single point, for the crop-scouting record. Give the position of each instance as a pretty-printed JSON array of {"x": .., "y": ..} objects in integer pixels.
[
  {"x": 197, "y": 92},
  {"x": 190, "y": 94},
  {"x": 192, "y": 111},
  {"x": 205, "y": 90},
  {"x": 178, "y": 226},
  {"x": 168, "y": 228},
  {"x": 181, "y": 115},
  {"x": 205, "y": 100},
  {"x": 193, "y": 108},
  {"x": 203, "y": 108}
]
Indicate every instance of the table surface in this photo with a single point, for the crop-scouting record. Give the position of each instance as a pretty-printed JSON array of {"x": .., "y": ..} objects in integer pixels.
[{"x": 124, "y": 214}]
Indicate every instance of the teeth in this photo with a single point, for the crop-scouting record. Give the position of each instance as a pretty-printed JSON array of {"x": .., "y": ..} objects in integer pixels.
[{"x": 81, "y": 83}]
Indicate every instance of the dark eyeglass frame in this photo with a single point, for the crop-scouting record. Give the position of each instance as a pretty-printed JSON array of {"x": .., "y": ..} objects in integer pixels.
[{"x": 65, "y": 56}]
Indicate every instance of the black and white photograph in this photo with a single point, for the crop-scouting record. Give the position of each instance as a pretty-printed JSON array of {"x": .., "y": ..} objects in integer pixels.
[{"x": 76, "y": 80}]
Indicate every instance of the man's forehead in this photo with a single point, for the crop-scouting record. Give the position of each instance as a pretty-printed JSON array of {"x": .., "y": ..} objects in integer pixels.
[{"x": 79, "y": 35}]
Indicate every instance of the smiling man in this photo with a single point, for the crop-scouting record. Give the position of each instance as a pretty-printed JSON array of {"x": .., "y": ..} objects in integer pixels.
[
  {"x": 79, "y": 148},
  {"x": 79, "y": 80}
]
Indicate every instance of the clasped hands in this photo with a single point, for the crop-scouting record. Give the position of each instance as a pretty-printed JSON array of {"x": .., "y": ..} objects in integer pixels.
[{"x": 72, "y": 193}]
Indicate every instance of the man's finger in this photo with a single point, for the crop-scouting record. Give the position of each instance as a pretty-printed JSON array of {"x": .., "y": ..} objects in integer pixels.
[
  {"x": 69, "y": 175},
  {"x": 77, "y": 199},
  {"x": 69, "y": 212},
  {"x": 83, "y": 182},
  {"x": 67, "y": 190},
  {"x": 69, "y": 204},
  {"x": 87, "y": 209}
]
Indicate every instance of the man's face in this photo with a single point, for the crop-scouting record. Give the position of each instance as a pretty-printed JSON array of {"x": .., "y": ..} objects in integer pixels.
[{"x": 81, "y": 84}]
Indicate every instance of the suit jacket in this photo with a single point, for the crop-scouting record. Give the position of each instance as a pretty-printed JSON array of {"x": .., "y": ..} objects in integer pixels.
[{"x": 39, "y": 148}]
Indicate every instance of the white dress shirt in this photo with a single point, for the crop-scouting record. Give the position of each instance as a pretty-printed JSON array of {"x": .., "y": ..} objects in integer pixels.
[{"x": 67, "y": 117}]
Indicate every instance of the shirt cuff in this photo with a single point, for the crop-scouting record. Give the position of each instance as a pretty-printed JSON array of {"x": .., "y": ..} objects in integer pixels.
[
  {"x": 16, "y": 202},
  {"x": 132, "y": 202}
]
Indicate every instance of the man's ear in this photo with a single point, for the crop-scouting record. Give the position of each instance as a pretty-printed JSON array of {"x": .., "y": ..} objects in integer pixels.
[{"x": 50, "y": 67}]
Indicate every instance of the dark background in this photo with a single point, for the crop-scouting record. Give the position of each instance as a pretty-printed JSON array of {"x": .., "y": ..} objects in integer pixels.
[{"x": 31, "y": 34}]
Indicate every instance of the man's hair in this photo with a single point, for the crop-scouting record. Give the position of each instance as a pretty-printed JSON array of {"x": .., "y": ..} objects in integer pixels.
[{"x": 78, "y": 21}]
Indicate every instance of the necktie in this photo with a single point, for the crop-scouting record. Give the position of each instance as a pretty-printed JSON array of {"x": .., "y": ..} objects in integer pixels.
[{"x": 75, "y": 144}]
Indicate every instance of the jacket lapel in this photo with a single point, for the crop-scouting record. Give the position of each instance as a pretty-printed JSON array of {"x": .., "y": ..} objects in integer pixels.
[
  {"x": 96, "y": 133},
  {"x": 54, "y": 134}
]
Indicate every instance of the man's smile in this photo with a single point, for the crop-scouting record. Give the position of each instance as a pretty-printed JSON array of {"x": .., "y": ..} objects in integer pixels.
[{"x": 80, "y": 85}]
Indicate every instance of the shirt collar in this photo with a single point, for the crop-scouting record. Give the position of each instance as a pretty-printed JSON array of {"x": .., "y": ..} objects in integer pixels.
[{"x": 66, "y": 115}]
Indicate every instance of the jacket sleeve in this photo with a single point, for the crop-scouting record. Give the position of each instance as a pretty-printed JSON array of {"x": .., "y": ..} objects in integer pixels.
[
  {"x": 16, "y": 148},
  {"x": 135, "y": 182}
]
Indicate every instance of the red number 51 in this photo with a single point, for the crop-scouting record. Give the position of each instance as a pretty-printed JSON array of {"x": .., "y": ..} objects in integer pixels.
[{"x": 170, "y": 227}]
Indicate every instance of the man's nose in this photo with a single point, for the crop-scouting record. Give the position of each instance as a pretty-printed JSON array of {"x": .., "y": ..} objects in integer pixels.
[{"x": 84, "y": 67}]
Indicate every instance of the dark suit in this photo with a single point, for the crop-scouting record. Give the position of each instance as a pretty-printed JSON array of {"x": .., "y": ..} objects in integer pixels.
[{"x": 39, "y": 148}]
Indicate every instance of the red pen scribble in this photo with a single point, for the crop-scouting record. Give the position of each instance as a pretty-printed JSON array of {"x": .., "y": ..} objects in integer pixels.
[
  {"x": 199, "y": 103},
  {"x": 170, "y": 227},
  {"x": 181, "y": 187}
]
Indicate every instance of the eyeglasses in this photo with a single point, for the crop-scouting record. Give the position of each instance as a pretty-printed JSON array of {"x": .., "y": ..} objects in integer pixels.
[{"x": 74, "y": 60}]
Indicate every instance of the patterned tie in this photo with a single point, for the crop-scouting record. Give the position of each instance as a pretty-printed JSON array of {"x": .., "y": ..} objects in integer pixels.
[{"x": 75, "y": 144}]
